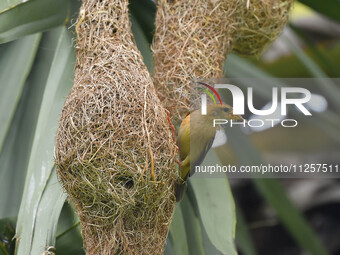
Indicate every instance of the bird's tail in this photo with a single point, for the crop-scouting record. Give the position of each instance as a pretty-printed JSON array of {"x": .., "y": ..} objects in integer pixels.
[{"x": 181, "y": 187}]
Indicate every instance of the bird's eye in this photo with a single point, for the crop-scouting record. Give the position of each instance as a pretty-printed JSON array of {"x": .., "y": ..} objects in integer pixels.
[{"x": 227, "y": 110}]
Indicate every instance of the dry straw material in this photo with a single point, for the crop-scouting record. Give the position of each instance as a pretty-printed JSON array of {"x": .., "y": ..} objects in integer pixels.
[
  {"x": 191, "y": 40},
  {"x": 259, "y": 24},
  {"x": 193, "y": 37},
  {"x": 114, "y": 149}
]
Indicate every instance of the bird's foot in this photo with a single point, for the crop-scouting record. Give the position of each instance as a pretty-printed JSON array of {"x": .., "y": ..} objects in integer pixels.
[
  {"x": 172, "y": 127},
  {"x": 178, "y": 162}
]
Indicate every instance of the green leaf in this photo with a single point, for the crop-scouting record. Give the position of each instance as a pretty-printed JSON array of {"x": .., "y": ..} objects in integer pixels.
[
  {"x": 315, "y": 51},
  {"x": 15, "y": 65},
  {"x": 208, "y": 246},
  {"x": 71, "y": 243},
  {"x": 217, "y": 211},
  {"x": 4, "y": 5},
  {"x": 274, "y": 193},
  {"x": 48, "y": 212},
  {"x": 144, "y": 12},
  {"x": 192, "y": 227},
  {"x": 18, "y": 143},
  {"x": 328, "y": 87},
  {"x": 243, "y": 237},
  {"x": 168, "y": 248},
  {"x": 177, "y": 231},
  {"x": 69, "y": 240},
  {"x": 20, "y": 18},
  {"x": 42, "y": 193},
  {"x": 142, "y": 43},
  {"x": 330, "y": 8},
  {"x": 238, "y": 67}
]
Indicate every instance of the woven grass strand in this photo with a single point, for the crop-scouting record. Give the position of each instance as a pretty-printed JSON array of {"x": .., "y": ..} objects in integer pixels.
[{"x": 114, "y": 147}]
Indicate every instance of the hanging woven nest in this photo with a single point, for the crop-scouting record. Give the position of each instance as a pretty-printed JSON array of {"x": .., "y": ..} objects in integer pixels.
[
  {"x": 114, "y": 148},
  {"x": 259, "y": 22},
  {"x": 191, "y": 40},
  {"x": 193, "y": 37}
]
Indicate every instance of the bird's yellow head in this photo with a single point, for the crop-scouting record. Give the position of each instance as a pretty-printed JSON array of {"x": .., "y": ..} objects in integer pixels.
[{"x": 222, "y": 111}]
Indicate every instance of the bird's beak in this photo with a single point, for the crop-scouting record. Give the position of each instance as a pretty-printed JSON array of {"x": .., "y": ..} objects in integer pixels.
[{"x": 235, "y": 117}]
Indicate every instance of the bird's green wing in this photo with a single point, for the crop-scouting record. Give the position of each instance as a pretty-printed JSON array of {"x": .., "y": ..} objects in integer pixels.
[{"x": 197, "y": 160}]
